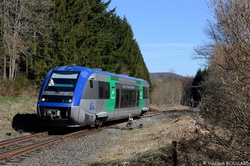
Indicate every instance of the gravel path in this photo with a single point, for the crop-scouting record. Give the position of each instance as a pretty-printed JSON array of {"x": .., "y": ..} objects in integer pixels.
[{"x": 75, "y": 152}]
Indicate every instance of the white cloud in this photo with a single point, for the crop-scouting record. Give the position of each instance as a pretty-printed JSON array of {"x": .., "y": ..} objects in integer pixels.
[
  {"x": 182, "y": 45},
  {"x": 166, "y": 54}
]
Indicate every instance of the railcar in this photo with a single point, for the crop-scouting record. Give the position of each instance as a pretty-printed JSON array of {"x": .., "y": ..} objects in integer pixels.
[{"x": 73, "y": 96}]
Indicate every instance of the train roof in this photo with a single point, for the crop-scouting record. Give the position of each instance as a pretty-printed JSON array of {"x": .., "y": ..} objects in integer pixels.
[{"x": 91, "y": 71}]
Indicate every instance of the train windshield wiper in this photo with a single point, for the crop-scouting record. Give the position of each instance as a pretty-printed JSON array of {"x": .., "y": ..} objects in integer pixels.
[{"x": 55, "y": 89}]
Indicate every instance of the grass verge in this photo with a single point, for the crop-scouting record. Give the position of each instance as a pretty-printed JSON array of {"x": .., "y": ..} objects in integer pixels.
[
  {"x": 10, "y": 108},
  {"x": 148, "y": 146}
]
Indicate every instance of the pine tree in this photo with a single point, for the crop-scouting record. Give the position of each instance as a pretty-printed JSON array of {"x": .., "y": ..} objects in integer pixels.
[
  {"x": 37, "y": 56},
  {"x": 197, "y": 85},
  {"x": 79, "y": 34},
  {"x": 53, "y": 33}
]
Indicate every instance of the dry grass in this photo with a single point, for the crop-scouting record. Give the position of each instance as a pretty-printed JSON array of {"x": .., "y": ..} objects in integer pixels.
[
  {"x": 10, "y": 107},
  {"x": 131, "y": 144},
  {"x": 153, "y": 145},
  {"x": 169, "y": 108}
]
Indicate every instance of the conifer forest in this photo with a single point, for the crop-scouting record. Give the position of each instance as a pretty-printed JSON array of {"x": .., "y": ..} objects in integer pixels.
[{"x": 37, "y": 35}]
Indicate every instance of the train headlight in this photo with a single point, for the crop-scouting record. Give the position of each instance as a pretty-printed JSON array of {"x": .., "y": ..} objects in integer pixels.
[
  {"x": 70, "y": 100},
  {"x": 43, "y": 99}
]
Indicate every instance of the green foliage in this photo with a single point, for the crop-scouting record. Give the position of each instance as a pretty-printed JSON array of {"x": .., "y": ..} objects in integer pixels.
[
  {"x": 197, "y": 85},
  {"x": 37, "y": 51},
  {"x": 88, "y": 35},
  {"x": 8, "y": 101},
  {"x": 84, "y": 33},
  {"x": 15, "y": 87}
]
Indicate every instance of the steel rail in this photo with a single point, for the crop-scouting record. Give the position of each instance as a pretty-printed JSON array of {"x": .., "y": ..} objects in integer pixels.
[
  {"x": 20, "y": 151},
  {"x": 21, "y": 139},
  {"x": 152, "y": 114},
  {"x": 17, "y": 152}
]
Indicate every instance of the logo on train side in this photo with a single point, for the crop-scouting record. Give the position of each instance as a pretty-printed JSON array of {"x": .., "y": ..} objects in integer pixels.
[
  {"x": 91, "y": 106},
  {"x": 113, "y": 94}
]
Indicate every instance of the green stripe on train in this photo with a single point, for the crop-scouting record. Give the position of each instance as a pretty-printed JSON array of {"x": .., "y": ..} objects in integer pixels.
[
  {"x": 141, "y": 100},
  {"x": 110, "y": 104}
]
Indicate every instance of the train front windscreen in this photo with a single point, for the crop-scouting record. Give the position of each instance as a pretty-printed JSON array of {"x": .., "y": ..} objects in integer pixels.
[{"x": 60, "y": 87}]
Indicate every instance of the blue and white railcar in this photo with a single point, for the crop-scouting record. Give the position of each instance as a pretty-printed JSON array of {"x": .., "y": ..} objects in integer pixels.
[{"x": 79, "y": 96}]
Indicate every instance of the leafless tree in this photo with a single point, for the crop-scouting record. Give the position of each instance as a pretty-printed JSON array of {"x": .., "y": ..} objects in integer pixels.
[
  {"x": 11, "y": 20},
  {"x": 167, "y": 93},
  {"x": 226, "y": 99},
  {"x": 22, "y": 23}
]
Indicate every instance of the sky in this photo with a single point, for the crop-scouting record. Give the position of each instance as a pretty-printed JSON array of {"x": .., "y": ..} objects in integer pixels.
[{"x": 167, "y": 32}]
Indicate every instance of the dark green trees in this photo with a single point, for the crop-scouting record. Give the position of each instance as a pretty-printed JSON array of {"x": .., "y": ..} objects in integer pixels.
[
  {"x": 80, "y": 32},
  {"x": 197, "y": 85},
  {"x": 37, "y": 57},
  {"x": 87, "y": 34}
]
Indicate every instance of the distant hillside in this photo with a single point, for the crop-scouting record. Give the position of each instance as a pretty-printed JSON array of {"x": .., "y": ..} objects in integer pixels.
[{"x": 164, "y": 76}]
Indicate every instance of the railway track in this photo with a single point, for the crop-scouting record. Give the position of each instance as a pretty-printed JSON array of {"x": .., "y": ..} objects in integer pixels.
[
  {"x": 9, "y": 154},
  {"x": 151, "y": 114},
  {"x": 157, "y": 113},
  {"x": 16, "y": 152},
  {"x": 14, "y": 141}
]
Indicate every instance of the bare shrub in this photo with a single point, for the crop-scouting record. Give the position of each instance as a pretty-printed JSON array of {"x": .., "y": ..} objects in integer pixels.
[
  {"x": 20, "y": 87},
  {"x": 225, "y": 103},
  {"x": 167, "y": 93}
]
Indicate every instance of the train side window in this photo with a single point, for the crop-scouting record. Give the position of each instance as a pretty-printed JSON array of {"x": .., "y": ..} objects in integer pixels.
[
  {"x": 117, "y": 101},
  {"x": 145, "y": 92},
  {"x": 132, "y": 98},
  {"x": 91, "y": 83},
  {"x": 128, "y": 98},
  {"x": 104, "y": 90},
  {"x": 137, "y": 98}
]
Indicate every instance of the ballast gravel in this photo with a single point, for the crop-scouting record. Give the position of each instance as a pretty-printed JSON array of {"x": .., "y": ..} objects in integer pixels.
[
  {"x": 70, "y": 152},
  {"x": 75, "y": 152}
]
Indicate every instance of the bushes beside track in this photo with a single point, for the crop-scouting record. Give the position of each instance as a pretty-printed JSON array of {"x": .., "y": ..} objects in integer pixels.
[{"x": 20, "y": 87}]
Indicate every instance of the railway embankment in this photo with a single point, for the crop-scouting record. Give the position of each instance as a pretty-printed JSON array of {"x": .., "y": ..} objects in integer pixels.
[
  {"x": 120, "y": 144},
  {"x": 148, "y": 141},
  {"x": 17, "y": 116}
]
